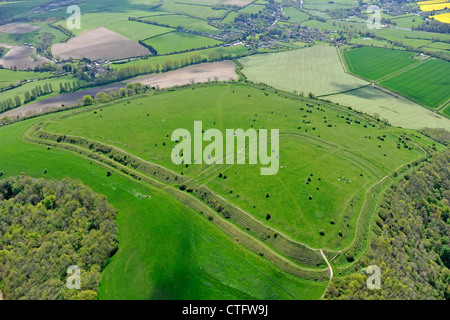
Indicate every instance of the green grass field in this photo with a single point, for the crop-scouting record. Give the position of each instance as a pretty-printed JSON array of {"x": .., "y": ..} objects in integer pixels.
[
  {"x": 374, "y": 43},
  {"x": 398, "y": 111},
  {"x": 407, "y": 21},
  {"x": 166, "y": 250},
  {"x": 375, "y": 63},
  {"x": 319, "y": 70},
  {"x": 8, "y": 77},
  {"x": 411, "y": 38},
  {"x": 204, "y": 54},
  {"x": 229, "y": 19},
  {"x": 316, "y": 69},
  {"x": 427, "y": 83},
  {"x": 193, "y": 9},
  {"x": 357, "y": 164},
  {"x": 446, "y": 110},
  {"x": 252, "y": 8},
  {"x": 187, "y": 22},
  {"x": 20, "y": 91},
  {"x": 294, "y": 15},
  {"x": 137, "y": 30},
  {"x": 107, "y": 18},
  {"x": 33, "y": 37},
  {"x": 179, "y": 41}
]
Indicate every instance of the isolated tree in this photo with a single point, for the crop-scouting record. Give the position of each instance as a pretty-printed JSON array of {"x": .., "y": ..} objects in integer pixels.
[
  {"x": 102, "y": 97},
  {"x": 88, "y": 101}
]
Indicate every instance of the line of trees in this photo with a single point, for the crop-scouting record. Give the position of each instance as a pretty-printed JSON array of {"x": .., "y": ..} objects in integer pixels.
[
  {"x": 36, "y": 92},
  {"x": 168, "y": 65},
  {"x": 69, "y": 86},
  {"x": 433, "y": 26},
  {"x": 411, "y": 244}
]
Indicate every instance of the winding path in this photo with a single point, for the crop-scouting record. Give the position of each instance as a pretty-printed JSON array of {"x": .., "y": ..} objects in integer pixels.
[{"x": 329, "y": 268}]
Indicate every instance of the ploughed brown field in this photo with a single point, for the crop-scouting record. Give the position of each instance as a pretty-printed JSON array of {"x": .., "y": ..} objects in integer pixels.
[
  {"x": 221, "y": 71},
  {"x": 17, "y": 27},
  {"x": 99, "y": 43},
  {"x": 21, "y": 57}
]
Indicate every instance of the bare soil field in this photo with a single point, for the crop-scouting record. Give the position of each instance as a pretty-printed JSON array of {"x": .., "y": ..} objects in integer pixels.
[
  {"x": 8, "y": 46},
  {"x": 18, "y": 28},
  {"x": 21, "y": 57},
  {"x": 99, "y": 43},
  {"x": 221, "y": 71},
  {"x": 56, "y": 102}
]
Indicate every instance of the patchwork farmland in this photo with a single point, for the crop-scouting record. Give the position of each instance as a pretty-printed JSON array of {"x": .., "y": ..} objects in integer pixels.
[{"x": 318, "y": 70}]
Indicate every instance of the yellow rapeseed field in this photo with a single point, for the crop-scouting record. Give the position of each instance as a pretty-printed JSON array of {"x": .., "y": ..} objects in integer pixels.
[
  {"x": 421, "y": 3},
  {"x": 436, "y": 6},
  {"x": 445, "y": 17}
]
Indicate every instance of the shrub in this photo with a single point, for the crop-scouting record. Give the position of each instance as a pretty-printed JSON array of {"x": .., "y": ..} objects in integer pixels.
[
  {"x": 349, "y": 256},
  {"x": 88, "y": 101}
]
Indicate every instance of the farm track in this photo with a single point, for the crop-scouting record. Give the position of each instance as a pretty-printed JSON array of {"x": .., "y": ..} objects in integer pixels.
[{"x": 330, "y": 269}]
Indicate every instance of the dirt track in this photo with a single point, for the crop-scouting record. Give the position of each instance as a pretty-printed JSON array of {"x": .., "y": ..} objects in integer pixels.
[
  {"x": 99, "y": 43},
  {"x": 223, "y": 70}
]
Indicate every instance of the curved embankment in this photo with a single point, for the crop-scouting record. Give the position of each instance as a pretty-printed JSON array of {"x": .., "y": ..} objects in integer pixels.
[
  {"x": 294, "y": 257},
  {"x": 204, "y": 72},
  {"x": 290, "y": 256}
]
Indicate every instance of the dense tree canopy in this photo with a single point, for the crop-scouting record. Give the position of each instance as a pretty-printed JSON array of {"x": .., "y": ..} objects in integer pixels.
[
  {"x": 47, "y": 226},
  {"x": 412, "y": 248}
]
